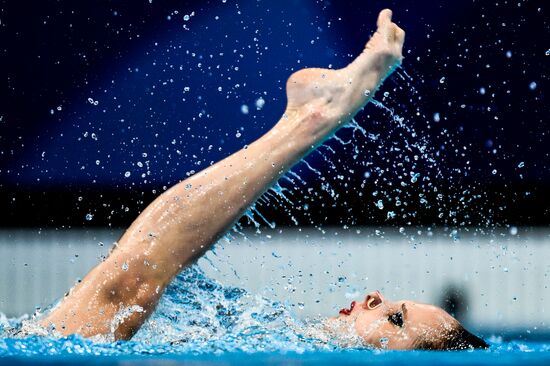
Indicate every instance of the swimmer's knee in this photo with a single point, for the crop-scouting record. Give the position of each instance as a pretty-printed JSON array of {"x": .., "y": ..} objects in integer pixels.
[{"x": 132, "y": 290}]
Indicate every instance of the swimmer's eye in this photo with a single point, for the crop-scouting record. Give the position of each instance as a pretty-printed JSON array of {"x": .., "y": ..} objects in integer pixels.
[{"x": 396, "y": 319}]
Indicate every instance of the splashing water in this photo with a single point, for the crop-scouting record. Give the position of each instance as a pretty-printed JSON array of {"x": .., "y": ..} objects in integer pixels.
[
  {"x": 396, "y": 156},
  {"x": 195, "y": 315},
  {"x": 199, "y": 316}
]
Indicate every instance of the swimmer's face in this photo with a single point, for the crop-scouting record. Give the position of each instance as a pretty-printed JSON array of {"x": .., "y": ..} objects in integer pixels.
[{"x": 397, "y": 325}]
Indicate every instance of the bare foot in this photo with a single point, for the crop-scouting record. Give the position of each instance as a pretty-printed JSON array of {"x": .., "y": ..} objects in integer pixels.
[{"x": 330, "y": 98}]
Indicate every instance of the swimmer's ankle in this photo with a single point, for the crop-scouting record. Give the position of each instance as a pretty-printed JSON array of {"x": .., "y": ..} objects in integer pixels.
[
  {"x": 320, "y": 101},
  {"x": 305, "y": 127}
]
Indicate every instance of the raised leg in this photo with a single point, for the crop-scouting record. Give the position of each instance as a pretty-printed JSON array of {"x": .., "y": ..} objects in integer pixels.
[{"x": 181, "y": 224}]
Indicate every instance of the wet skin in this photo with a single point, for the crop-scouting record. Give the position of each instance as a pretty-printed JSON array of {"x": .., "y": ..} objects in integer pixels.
[
  {"x": 119, "y": 294},
  {"x": 393, "y": 325}
]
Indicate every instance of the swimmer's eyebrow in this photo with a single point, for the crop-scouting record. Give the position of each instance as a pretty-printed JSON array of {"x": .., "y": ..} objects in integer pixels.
[{"x": 405, "y": 311}]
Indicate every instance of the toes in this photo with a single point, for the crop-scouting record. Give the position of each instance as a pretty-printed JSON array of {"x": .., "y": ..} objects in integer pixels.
[
  {"x": 385, "y": 25},
  {"x": 384, "y": 18},
  {"x": 399, "y": 35}
]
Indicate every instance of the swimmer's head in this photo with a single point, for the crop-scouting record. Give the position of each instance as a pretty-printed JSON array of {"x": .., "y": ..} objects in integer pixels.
[{"x": 403, "y": 325}]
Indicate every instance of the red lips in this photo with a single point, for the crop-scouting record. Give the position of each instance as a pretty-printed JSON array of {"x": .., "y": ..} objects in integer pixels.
[{"x": 348, "y": 311}]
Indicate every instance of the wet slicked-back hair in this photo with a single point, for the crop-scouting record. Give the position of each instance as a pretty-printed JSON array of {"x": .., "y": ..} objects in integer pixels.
[{"x": 455, "y": 339}]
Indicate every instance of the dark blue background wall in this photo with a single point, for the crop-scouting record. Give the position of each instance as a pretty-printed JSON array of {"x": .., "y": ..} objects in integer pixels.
[{"x": 115, "y": 100}]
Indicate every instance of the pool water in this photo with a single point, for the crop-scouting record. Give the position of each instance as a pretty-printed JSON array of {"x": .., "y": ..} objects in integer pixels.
[
  {"x": 200, "y": 320},
  {"x": 511, "y": 356}
]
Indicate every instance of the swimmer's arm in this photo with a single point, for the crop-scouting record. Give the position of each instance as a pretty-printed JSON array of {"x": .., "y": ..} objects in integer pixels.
[{"x": 182, "y": 223}]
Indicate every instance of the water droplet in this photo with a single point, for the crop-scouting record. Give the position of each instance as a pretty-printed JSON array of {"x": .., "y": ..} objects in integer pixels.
[
  {"x": 260, "y": 102},
  {"x": 442, "y": 80},
  {"x": 238, "y": 134},
  {"x": 127, "y": 174},
  {"x": 482, "y": 91},
  {"x": 437, "y": 117},
  {"x": 521, "y": 164},
  {"x": 186, "y": 17},
  {"x": 547, "y": 53},
  {"x": 513, "y": 230},
  {"x": 509, "y": 54},
  {"x": 366, "y": 93},
  {"x": 494, "y": 171},
  {"x": 532, "y": 85},
  {"x": 89, "y": 217},
  {"x": 380, "y": 204},
  {"x": 244, "y": 109},
  {"x": 124, "y": 266},
  {"x": 454, "y": 235}
]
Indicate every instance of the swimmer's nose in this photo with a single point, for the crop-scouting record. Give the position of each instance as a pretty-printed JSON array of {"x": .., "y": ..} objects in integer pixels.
[{"x": 373, "y": 300}]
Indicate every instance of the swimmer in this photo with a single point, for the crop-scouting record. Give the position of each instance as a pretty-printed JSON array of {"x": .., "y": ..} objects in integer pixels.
[{"x": 185, "y": 221}]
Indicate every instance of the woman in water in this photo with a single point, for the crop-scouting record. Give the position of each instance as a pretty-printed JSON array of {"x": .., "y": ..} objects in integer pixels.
[{"x": 186, "y": 220}]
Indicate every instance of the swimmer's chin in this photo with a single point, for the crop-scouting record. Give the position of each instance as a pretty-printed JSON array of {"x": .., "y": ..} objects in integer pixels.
[{"x": 341, "y": 330}]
